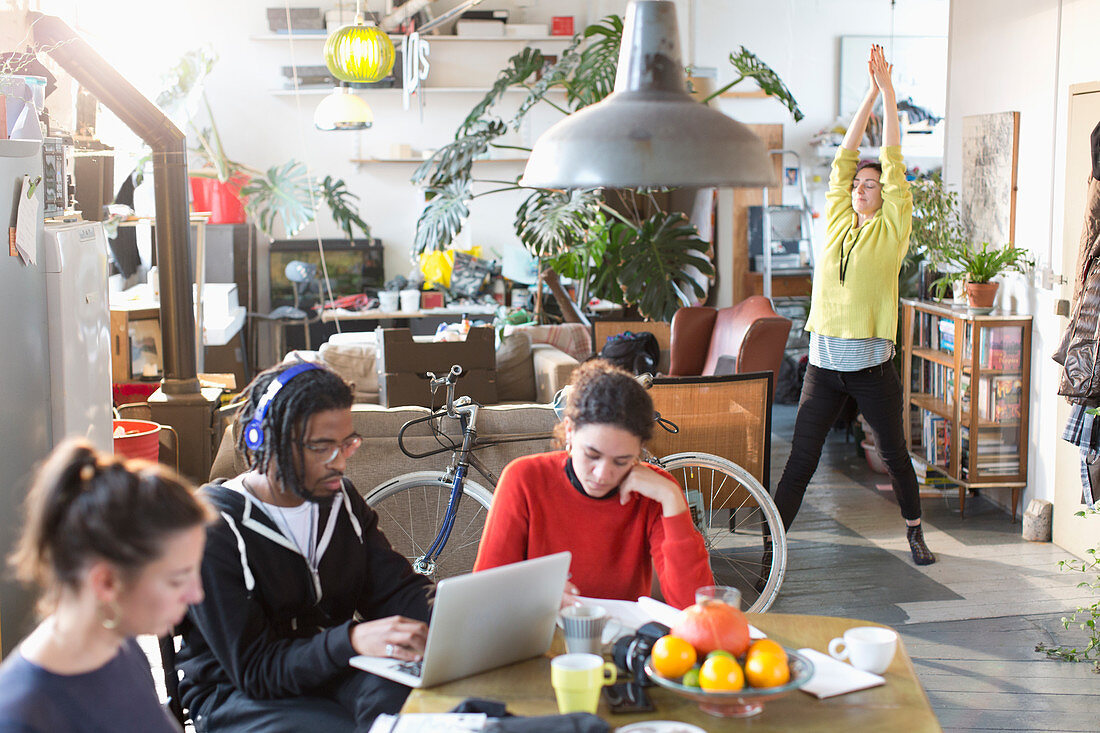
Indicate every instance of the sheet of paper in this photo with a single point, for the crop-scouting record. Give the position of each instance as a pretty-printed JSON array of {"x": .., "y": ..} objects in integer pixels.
[
  {"x": 26, "y": 222},
  {"x": 833, "y": 677},
  {"x": 429, "y": 723}
]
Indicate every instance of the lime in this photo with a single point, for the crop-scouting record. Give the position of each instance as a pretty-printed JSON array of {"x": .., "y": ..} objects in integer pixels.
[
  {"x": 720, "y": 653},
  {"x": 691, "y": 678}
]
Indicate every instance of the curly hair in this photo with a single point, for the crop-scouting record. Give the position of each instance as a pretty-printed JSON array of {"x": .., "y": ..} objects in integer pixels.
[
  {"x": 604, "y": 394},
  {"x": 288, "y": 413}
]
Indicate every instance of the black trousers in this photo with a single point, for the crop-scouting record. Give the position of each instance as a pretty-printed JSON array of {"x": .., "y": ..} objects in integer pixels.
[
  {"x": 878, "y": 395},
  {"x": 348, "y": 705}
]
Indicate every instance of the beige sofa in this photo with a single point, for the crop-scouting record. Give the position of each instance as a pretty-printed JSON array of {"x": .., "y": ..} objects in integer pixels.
[{"x": 379, "y": 459}]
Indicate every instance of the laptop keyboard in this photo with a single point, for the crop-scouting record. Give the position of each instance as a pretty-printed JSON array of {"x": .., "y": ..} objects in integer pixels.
[{"x": 412, "y": 668}]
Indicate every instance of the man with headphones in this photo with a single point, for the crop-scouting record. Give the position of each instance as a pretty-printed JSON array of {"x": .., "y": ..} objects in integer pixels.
[{"x": 297, "y": 576}]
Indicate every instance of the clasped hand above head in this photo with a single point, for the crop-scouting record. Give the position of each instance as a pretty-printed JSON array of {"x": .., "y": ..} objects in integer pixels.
[
  {"x": 393, "y": 636},
  {"x": 644, "y": 481},
  {"x": 880, "y": 71}
]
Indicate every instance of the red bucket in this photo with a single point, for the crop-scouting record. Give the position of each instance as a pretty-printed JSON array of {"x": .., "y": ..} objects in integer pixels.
[{"x": 140, "y": 440}]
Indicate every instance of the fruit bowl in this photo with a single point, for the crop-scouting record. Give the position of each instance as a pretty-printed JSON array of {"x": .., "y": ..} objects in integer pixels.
[{"x": 745, "y": 702}]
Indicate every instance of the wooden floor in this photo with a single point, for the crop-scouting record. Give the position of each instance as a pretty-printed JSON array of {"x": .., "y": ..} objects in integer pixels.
[{"x": 970, "y": 621}]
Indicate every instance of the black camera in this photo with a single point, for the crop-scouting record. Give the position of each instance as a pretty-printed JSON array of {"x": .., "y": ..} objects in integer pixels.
[{"x": 630, "y": 652}]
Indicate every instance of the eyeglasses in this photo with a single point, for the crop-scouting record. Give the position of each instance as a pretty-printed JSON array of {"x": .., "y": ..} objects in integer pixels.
[{"x": 327, "y": 450}]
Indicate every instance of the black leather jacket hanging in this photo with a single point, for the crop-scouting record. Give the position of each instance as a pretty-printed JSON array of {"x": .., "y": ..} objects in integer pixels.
[{"x": 1079, "y": 352}]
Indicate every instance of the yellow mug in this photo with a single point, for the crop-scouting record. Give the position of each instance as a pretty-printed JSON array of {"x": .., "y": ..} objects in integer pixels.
[{"x": 578, "y": 679}]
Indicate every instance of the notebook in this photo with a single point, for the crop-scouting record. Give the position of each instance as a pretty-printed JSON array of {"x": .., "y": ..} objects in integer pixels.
[{"x": 484, "y": 620}]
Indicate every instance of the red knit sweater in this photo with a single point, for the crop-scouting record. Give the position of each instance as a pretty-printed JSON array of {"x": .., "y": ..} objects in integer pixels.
[{"x": 536, "y": 511}]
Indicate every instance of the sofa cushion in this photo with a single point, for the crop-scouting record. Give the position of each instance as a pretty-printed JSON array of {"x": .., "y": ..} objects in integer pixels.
[
  {"x": 515, "y": 369},
  {"x": 572, "y": 338}
]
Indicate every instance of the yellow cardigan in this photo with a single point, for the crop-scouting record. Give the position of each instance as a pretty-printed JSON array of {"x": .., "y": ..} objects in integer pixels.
[{"x": 865, "y": 305}]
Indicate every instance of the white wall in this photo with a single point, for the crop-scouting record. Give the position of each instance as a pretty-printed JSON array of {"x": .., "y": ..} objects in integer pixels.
[
  {"x": 1022, "y": 55},
  {"x": 798, "y": 38}
]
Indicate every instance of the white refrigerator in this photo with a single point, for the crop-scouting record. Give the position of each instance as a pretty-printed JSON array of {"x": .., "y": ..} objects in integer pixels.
[{"x": 75, "y": 263}]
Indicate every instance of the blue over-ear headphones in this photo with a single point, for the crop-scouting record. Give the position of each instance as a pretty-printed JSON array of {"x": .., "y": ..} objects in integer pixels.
[{"x": 254, "y": 431}]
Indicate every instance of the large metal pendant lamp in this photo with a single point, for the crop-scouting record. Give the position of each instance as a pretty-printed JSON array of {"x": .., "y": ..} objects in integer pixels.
[
  {"x": 649, "y": 131},
  {"x": 359, "y": 52}
]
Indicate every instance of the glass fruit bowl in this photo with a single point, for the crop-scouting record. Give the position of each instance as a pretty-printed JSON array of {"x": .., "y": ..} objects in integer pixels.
[{"x": 745, "y": 702}]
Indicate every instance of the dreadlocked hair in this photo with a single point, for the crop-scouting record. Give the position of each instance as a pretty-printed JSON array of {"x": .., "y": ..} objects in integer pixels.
[
  {"x": 312, "y": 391},
  {"x": 603, "y": 394}
]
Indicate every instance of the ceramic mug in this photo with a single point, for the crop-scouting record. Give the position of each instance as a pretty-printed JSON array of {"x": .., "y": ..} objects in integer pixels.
[
  {"x": 387, "y": 300},
  {"x": 870, "y": 648},
  {"x": 577, "y": 680},
  {"x": 582, "y": 627}
]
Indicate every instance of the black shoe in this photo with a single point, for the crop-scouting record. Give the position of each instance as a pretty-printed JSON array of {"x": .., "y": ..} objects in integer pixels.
[{"x": 921, "y": 554}]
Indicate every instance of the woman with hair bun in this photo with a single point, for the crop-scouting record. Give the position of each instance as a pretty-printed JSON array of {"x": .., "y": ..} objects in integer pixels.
[
  {"x": 116, "y": 547},
  {"x": 619, "y": 516}
]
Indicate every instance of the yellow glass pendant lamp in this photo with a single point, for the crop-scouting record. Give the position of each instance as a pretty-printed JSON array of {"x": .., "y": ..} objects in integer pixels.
[{"x": 359, "y": 52}]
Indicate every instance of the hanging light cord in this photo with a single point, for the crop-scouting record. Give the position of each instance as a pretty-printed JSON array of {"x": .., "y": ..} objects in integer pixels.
[{"x": 311, "y": 187}]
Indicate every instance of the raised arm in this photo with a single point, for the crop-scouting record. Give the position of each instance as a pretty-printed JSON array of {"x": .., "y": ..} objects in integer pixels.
[
  {"x": 858, "y": 126},
  {"x": 881, "y": 77}
]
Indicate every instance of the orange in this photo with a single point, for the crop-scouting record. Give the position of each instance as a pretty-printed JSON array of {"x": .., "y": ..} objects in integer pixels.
[
  {"x": 672, "y": 656},
  {"x": 721, "y": 674},
  {"x": 766, "y": 665},
  {"x": 762, "y": 645}
]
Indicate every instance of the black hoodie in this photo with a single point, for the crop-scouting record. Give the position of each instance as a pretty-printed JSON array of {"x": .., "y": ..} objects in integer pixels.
[{"x": 261, "y": 627}]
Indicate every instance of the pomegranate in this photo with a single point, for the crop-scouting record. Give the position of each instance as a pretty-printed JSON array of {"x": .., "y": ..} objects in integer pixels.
[{"x": 712, "y": 625}]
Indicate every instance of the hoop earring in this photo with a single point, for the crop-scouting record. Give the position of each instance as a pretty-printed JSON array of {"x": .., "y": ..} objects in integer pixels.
[{"x": 110, "y": 622}]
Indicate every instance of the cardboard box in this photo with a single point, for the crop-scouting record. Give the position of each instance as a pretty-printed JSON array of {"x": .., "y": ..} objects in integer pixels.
[
  {"x": 403, "y": 364},
  {"x": 302, "y": 20},
  {"x": 480, "y": 28}
]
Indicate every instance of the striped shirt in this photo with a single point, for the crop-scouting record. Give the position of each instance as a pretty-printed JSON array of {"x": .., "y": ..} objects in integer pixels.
[{"x": 848, "y": 355}]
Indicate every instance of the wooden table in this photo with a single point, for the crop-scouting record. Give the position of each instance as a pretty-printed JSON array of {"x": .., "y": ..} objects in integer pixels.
[{"x": 900, "y": 704}]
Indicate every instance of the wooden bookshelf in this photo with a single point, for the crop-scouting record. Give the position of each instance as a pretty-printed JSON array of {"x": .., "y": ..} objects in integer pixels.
[{"x": 954, "y": 361}]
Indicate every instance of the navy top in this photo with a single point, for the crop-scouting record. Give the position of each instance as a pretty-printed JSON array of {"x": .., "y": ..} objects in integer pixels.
[{"x": 119, "y": 696}]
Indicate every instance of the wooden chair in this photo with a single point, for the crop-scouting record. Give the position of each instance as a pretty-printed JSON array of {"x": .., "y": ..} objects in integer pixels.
[{"x": 729, "y": 416}]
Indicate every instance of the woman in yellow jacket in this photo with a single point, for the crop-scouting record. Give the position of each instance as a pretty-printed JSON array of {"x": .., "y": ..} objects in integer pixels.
[{"x": 854, "y": 312}]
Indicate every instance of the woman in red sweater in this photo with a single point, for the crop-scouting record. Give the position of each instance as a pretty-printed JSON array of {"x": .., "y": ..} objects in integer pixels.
[{"x": 619, "y": 516}]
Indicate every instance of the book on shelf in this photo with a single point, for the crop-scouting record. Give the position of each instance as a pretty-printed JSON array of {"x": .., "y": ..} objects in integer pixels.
[
  {"x": 946, "y": 331},
  {"x": 1005, "y": 347},
  {"x": 1006, "y": 398}
]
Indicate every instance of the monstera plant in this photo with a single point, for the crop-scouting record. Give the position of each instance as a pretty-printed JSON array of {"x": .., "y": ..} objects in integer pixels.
[
  {"x": 283, "y": 193},
  {"x": 632, "y": 255}
]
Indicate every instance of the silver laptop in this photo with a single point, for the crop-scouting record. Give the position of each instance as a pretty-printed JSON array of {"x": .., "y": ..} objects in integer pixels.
[{"x": 484, "y": 620}]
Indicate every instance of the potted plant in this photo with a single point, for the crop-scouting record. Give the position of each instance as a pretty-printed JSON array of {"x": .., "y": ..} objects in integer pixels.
[
  {"x": 229, "y": 189},
  {"x": 936, "y": 226},
  {"x": 975, "y": 267},
  {"x": 618, "y": 245}
]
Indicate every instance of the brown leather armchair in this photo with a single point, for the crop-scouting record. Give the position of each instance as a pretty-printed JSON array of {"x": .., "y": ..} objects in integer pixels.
[{"x": 750, "y": 334}]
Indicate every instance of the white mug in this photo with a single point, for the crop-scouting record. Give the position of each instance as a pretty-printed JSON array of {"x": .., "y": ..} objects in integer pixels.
[
  {"x": 388, "y": 300},
  {"x": 870, "y": 648}
]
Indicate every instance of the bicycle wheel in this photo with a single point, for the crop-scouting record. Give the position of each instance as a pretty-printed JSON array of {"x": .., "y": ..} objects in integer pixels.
[
  {"x": 736, "y": 516},
  {"x": 411, "y": 509}
]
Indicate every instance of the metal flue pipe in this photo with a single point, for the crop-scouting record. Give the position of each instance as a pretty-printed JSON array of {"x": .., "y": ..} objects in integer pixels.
[{"x": 169, "y": 146}]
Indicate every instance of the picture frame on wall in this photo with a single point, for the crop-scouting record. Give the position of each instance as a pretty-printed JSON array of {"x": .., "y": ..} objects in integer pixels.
[
  {"x": 920, "y": 71},
  {"x": 145, "y": 349}
]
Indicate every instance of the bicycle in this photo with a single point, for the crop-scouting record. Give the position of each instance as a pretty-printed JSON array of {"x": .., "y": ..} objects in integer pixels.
[{"x": 424, "y": 516}]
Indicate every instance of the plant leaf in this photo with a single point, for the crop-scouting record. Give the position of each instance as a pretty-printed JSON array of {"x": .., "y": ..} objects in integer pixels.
[
  {"x": 442, "y": 217},
  {"x": 655, "y": 253},
  {"x": 552, "y": 222},
  {"x": 594, "y": 77},
  {"x": 283, "y": 192},
  {"x": 750, "y": 66},
  {"x": 520, "y": 68},
  {"x": 344, "y": 206},
  {"x": 453, "y": 161}
]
